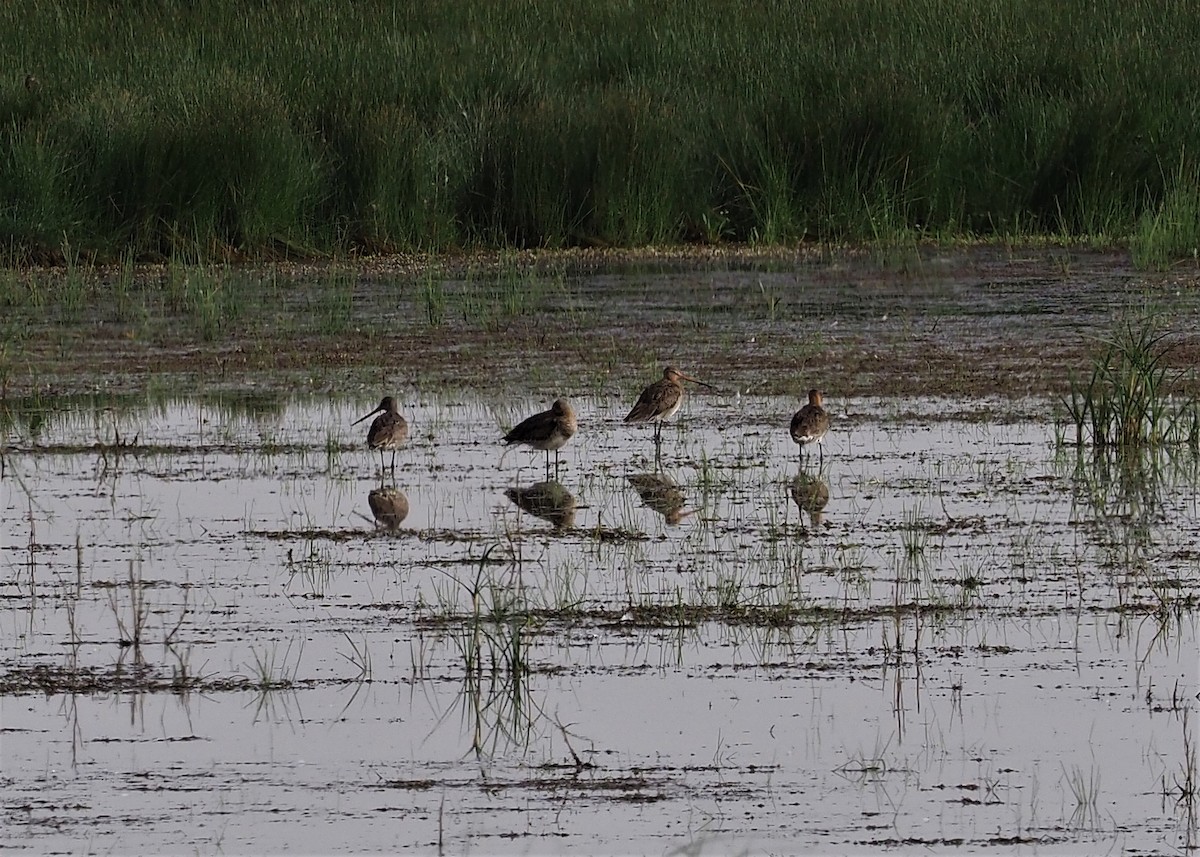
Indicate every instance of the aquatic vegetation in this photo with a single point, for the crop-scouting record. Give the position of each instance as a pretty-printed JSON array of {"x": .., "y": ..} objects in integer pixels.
[
  {"x": 1170, "y": 232},
  {"x": 1127, "y": 400},
  {"x": 335, "y": 300},
  {"x": 548, "y": 126},
  {"x": 131, "y": 619},
  {"x": 433, "y": 293},
  {"x": 359, "y": 657}
]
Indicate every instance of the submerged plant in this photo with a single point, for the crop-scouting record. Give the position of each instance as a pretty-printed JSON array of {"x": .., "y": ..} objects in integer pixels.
[
  {"x": 914, "y": 535},
  {"x": 131, "y": 626}
]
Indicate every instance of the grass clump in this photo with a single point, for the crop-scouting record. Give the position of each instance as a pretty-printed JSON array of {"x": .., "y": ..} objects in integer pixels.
[
  {"x": 1127, "y": 401},
  {"x": 217, "y": 129},
  {"x": 1170, "y": 231}
]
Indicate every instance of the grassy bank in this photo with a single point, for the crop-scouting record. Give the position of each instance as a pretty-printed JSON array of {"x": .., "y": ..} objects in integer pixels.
[{"x": 193, "y": 130}]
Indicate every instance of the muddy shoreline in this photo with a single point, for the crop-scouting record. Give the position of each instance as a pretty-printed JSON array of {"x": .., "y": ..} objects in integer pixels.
[{"x": 976, "y": 321}]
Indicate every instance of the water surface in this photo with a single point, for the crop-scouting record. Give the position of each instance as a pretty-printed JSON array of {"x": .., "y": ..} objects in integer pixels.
[{"x": 981, "y": 640}]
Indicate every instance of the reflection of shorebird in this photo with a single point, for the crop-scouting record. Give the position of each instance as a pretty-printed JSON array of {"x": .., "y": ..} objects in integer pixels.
[
  {"x": 549, "y": 501},
  {"x": 389, "y": 506},
  {"x": 387, "y": 431},
  {"x": 811, "y": 494},
  {"x": 810, "y": 424},
  {"x": 547, "y": 431},
  {"x": 662, "y": 494},
  {"x": 661, "y": 400}
]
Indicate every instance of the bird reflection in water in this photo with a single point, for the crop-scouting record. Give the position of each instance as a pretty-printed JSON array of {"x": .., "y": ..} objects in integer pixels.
[
  {"x": 662, "y": 494},
  {"x": 811, "y": 494},
  {"x": 549, "y": 500},
  {"x": 389, "y": 506}
]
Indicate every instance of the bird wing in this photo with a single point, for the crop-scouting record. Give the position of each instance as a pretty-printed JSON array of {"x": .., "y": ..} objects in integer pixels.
[
  {"x": 654, "y": 400},
  {"x": 530, "y": 428}
]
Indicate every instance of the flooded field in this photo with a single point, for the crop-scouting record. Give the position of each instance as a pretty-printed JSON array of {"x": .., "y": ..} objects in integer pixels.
[{"x": 223, "y": 630}]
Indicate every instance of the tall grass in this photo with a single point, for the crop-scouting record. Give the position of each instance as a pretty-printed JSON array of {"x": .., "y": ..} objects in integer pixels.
[
  {"x": 1128, "y": 401},
  {"x": 208, "y": 129}
]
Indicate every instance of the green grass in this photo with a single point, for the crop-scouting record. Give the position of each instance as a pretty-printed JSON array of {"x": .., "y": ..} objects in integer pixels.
[
  {"x": 1171, "y": 232},
  {"x": 1128, "y": 401},
  {"x": 214, "y": 130}
]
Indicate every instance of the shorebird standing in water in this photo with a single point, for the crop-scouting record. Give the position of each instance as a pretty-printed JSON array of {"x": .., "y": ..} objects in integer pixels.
[
  {"x": 547, "y": 431},
  {"x": 661, "y": 400},
  {"x": 387, "y": 431},
  {"x": 810, "y": 424}
]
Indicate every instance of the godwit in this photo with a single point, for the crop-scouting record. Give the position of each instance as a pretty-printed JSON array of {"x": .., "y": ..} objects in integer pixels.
[
  {"x": 810, "y": 423},
  {"x": 547, "y": 431},
  {"x": 661, "y": 400},
  {"x": 387, "y": 431}
]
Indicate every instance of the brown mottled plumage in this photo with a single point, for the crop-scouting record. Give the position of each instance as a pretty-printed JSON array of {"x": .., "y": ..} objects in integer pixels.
[
  {"x": 661, "y": 400},
  {"x": 388, "y": 430},
  {"x": 811, "y": 423},
  {"x": 548, "y": 431}
]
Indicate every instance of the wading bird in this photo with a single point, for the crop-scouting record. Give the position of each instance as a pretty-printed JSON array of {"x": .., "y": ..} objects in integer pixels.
[
  {"x": 547, "y": 431},
  {"x": 387, "y": 431},
  {"x": 661, "y": 400},
  {"x": 810, "y": 424}
]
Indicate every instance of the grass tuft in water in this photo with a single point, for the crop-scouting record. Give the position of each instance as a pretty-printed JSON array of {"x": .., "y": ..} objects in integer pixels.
[
  {"x": 1127, "y": 401},
  {"x": 433, "y": 294},
  {"x": 1170, "y": 232}
]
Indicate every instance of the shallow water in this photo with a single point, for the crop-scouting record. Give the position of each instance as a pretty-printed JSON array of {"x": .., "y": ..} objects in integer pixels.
[{"x": 980, "y": 641}]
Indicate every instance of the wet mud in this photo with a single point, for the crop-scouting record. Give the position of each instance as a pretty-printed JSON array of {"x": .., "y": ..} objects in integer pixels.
[{"x": 911, "y": 321}]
